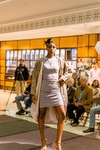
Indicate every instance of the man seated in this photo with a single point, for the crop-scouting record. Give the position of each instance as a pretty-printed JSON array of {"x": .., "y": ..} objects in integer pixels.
[
  {"x": 82, "y": 101},
  {"x": 26, "y": 97},
  {"x": 93, "y": 111}
]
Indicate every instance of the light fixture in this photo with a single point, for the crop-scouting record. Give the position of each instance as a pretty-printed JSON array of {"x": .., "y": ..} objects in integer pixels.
[{"x": 97, "y": 47}]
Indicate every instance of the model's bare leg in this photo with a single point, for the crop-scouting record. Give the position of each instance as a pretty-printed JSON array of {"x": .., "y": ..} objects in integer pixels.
[
  {"x": 60, "y": 125},
  {"x": 41, "y": 127}
]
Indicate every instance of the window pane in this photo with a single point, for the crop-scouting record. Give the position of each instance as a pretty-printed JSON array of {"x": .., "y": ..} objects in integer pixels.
[
  {"x": 11, "y": 55},
  {"x": 32, "y": 55},
  {"x": 45, "y": 52},
  {"x": 37, "y": 54},
  {"x": 42, "y": 53},
  {"x": 23, "y": 54},
  {"x": 8, "y": 54},
  {"x": 11, "y": 63},
  {"x": 68, "y": 54},
  {"x": 74, "y": 54},
  {"x": 74, "y": 65},
  {"x": 57, "y": 53},
  {"x": 32, "y": 64},
  {"x": 15, "y": 55},
  {"x": 27, "y": 64},
  {"x": 28, "y": 54},
  {"x": 10, "y": 70},
  {"x": 19, "y": 55},
  {"x": 62, "y": 53}
]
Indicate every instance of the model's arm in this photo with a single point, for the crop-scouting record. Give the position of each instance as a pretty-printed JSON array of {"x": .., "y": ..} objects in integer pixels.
[{"x": 66, "y": 72}]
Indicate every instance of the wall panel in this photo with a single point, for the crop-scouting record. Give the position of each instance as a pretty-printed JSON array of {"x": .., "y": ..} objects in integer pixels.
[
  {"x": 92, "y": 40},
  {"x": 2, "y": 69},
  {"x": 3, "y": 54},
  {"x": 82, "y": 52},
  {"x": 23, "y": 44},
  {"x": 37, "y": 44},
  {"x": 83, "y": 40},
  {"x": 92, "y": 52},
  {"x": 11, "y": 45},
  {"x": 68, "y": 42}
]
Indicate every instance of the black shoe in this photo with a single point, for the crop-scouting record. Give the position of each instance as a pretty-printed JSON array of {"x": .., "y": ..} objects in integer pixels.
[
  {"x": 74, "y": 124},
  {"x": 20, "y": 112},
  {"x": 71, "y": 122},
  {"x": 89, "y": 130}
]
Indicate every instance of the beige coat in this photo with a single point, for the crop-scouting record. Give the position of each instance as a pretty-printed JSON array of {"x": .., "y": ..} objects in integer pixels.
[{"x": 36, "y": 84}]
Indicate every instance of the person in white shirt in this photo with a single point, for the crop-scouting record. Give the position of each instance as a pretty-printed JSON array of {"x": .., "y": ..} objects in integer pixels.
[{"x": 94, "y": 73}]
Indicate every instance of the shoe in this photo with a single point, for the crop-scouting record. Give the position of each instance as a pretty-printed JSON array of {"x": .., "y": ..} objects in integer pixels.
[
  {"x": 71, "y": 122},
  {"x": 74, "y": 124},
  {"x": 28, "y": 114},
  {"x": 20, "y": 112},
  {"x": 89, "y": 130},
  {"x": 27, "y": 109},
  {"x": 43, "y": 145},
  {"x": 57, "y": 145}
]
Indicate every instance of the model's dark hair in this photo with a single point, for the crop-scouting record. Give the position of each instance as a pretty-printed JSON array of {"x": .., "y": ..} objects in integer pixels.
[{"x": 48, "y": 41}]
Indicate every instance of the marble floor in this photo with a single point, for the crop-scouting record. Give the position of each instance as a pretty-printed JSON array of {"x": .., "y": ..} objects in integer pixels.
[{"x": 10, "y": 109}]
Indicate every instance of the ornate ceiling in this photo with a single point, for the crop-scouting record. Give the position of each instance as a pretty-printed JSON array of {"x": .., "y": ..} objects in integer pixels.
[{"x": 27, "y": 19}]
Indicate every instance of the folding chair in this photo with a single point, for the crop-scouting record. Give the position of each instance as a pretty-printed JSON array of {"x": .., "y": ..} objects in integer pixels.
[{"x": 84, "y": 117}]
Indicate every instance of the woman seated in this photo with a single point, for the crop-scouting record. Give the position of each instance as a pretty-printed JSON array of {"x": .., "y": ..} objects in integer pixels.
[
  {"x": 70, "y": 91},
  {"x": 96, "y": 92}
]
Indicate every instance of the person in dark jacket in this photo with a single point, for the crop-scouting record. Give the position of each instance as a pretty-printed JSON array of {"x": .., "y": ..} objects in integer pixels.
[
  {"x": 21, "y": 75},
  {"x": 70, "y": 91}
]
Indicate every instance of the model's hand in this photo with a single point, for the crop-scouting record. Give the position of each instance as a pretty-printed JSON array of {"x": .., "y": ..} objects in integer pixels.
[
  {"x": 59, "y": 80},
  {"x": 34, "y": 99}
]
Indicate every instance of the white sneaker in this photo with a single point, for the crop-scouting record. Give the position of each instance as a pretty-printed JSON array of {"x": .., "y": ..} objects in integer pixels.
[
  {"x": 28, "y": 114},
  {"x": 27, "y": 110}
]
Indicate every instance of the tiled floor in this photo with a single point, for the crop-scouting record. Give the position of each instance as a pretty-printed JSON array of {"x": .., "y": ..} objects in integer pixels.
[{"x": 10, "y": 109}]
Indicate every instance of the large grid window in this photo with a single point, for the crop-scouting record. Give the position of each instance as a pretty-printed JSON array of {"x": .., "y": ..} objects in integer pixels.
[{"x": 30, "y": 57}]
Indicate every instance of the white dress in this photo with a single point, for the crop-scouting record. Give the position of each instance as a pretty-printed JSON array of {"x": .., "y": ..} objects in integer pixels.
[{"x": 50, "y": 94}]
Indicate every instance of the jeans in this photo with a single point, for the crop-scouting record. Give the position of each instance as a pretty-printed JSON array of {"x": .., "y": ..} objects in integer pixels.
[
  {"x": 93, "y": 111},
  {"x": 20, "y": 98}
]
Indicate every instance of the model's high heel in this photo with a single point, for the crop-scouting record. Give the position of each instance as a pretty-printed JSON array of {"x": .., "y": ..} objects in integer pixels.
[
  {"x": 43, "y": 145},
  {"x": 57, "y": 145}
]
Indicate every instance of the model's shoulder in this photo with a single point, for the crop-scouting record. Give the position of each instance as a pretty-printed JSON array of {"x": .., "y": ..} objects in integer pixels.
[
  {"x": 59, "y": 58},
  {"x": 40, "y": 60}
]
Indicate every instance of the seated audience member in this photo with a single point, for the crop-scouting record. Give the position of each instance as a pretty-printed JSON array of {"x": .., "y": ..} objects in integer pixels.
[
  {"x": 93, "y": 111},
  {"x": 82, "y": 101},
  {"x": 26, "y": 97},
  {"x": 70, "y": 91},
  {"x": 94, "y": 73},
  {"x": 96, "y": 90}
]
